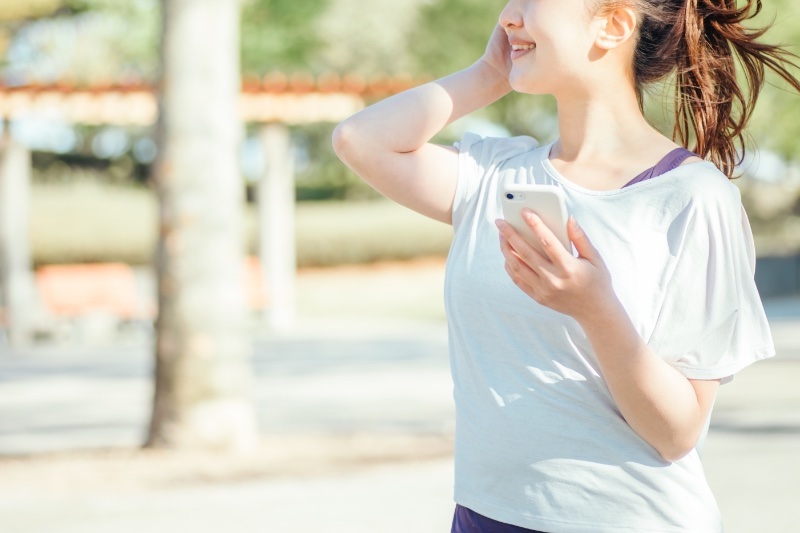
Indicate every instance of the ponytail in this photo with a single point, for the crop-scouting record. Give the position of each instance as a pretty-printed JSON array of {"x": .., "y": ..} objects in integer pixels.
[
  {"x": 710, "y": 102},
  {"x": 702, "y": 42}
]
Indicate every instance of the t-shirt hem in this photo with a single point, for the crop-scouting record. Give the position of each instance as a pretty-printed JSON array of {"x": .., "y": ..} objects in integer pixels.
[
  {"x": 555, "y": 526},
  {"x": 727, "y": 371}
]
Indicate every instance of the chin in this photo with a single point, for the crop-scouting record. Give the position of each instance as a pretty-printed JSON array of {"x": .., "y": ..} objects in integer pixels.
[{"x": 526, "y": 85}]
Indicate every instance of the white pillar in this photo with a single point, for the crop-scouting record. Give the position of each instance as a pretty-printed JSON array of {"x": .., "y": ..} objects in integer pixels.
[
  {"x": 16, "y": 277},
  {"x": 276, "y": 239}
]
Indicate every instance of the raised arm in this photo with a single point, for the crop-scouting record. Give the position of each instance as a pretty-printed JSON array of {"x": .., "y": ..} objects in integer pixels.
[{"x": 387, "y": 145}]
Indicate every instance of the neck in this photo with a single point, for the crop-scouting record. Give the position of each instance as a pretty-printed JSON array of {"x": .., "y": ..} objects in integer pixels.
[{"x": 603, "y": 123}]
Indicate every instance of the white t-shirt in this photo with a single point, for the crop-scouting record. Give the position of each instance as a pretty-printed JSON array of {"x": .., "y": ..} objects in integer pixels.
[{"x": 540, "y": 442}]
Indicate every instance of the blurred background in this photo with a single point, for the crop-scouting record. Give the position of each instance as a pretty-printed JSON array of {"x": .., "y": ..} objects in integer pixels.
[{"x": 208, "y": 323}]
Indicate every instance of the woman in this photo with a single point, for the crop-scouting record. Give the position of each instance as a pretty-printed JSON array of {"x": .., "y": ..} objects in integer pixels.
[{"x": 584, "y": 384}]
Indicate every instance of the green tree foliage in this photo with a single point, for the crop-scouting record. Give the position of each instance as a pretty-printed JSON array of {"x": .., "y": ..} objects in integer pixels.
[
  {"x": 104, "y": 40},
  {"x": 88, "y": 41},
  {"x": 370, "y": 39},
  {"x": 15, "y": 14},
  {"x": 776, "y": 123},
  {"x": 15, "y": 11},
  {"x": 280, "y": 35},
  {"x": 452, "y": 34}
]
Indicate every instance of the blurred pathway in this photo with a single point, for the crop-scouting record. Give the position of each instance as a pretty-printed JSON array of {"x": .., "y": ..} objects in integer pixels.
[
  {"x": 324, "y": 376},
  {"x": 355, "y": 376}
]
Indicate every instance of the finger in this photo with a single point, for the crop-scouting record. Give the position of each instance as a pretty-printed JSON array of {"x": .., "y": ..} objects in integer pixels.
[
  {"x": 582, "y": 243},
  {"x": 521, "y": 247},
  {"x": 554, "y": 250},
  {"x": 523, "y": 285},
  {"x": 515, "y": 264}
]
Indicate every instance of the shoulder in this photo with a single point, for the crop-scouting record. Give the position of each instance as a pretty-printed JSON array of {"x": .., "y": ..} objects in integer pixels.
[
  {"x": 703, "y": 186},
  {"x": 495, "y": 150}
]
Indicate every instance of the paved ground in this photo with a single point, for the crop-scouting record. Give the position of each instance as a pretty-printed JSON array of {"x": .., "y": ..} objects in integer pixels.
[{"x": 317, "y": 379}]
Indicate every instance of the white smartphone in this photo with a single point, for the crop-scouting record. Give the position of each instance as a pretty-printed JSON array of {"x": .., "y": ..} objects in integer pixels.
[{"x": 547, "y": 201}]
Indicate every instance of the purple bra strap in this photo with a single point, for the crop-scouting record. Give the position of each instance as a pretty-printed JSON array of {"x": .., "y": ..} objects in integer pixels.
[{"x": 671, "y": 161}]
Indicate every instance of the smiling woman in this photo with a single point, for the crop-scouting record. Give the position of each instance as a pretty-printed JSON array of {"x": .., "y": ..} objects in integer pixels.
[{"x": 584, "y": 385}]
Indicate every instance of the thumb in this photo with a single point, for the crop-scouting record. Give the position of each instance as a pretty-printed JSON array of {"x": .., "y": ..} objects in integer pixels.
[{"x": 582, "y": 243}]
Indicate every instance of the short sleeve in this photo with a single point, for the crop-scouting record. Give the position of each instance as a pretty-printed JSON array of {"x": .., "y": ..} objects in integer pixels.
[
  {"x": 712, "y": 322},
  {"x": 479, "y": 157}
]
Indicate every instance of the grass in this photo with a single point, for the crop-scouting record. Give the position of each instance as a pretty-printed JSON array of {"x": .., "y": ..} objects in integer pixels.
[
  {"x": 91, "y": 222},
  {"x": 333, "y": 233}
]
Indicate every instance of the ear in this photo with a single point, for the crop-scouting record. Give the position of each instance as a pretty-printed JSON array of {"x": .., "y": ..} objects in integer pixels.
[{"x": 615, "y": 28}]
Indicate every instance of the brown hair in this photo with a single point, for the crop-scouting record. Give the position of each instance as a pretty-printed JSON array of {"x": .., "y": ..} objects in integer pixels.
[{"x": 701, "y": 42}]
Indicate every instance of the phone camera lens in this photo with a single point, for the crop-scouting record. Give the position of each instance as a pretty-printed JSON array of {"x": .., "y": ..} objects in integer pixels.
[{"x": 510, "y": 196}]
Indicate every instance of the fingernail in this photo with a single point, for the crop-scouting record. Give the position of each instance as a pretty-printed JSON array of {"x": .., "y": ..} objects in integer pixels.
[
  {"x": 573, "y": 222},
  {"x": 500, "y": 223}
]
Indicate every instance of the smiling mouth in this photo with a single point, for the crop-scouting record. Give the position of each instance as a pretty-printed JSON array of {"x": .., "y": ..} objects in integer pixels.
[{"x": 519, "y": 50}]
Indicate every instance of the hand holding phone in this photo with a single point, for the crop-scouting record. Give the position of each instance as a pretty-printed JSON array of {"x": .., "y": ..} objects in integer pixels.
[{"x": 547, "y": 201}]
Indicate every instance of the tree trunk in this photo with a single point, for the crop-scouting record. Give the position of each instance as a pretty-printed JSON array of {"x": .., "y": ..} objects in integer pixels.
[{"x": 202, "y": 376}]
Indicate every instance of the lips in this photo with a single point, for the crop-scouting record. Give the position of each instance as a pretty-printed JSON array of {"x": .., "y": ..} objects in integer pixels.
[{"x": 519, "y": 47}]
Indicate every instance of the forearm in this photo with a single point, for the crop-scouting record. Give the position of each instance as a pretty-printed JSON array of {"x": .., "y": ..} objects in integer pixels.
[
  {"x": 656, "y": 400},
  {"x": 404, "y": 122}
]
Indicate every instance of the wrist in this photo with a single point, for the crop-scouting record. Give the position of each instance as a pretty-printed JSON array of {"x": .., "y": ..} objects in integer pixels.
[
  {"x": 496, "y": 77},
  {"x": 473, "y": 88},
  {"x": 612, "y": 335},
  {"x": 606, "y": 313}
]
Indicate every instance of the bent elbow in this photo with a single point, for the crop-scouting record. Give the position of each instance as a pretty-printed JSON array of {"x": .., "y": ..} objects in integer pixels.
[
  {"x": 673, "y": 455},
  {"x": 675, "y": 450},
  {"x": 342, "y": 140}
]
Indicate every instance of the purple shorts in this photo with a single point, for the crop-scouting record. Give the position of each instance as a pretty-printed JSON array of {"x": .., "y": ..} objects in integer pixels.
[{"x": 468, "y": 521}]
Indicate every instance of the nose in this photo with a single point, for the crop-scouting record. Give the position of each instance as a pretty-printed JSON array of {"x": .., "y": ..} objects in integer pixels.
[{"x": 510, "y": 17}]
